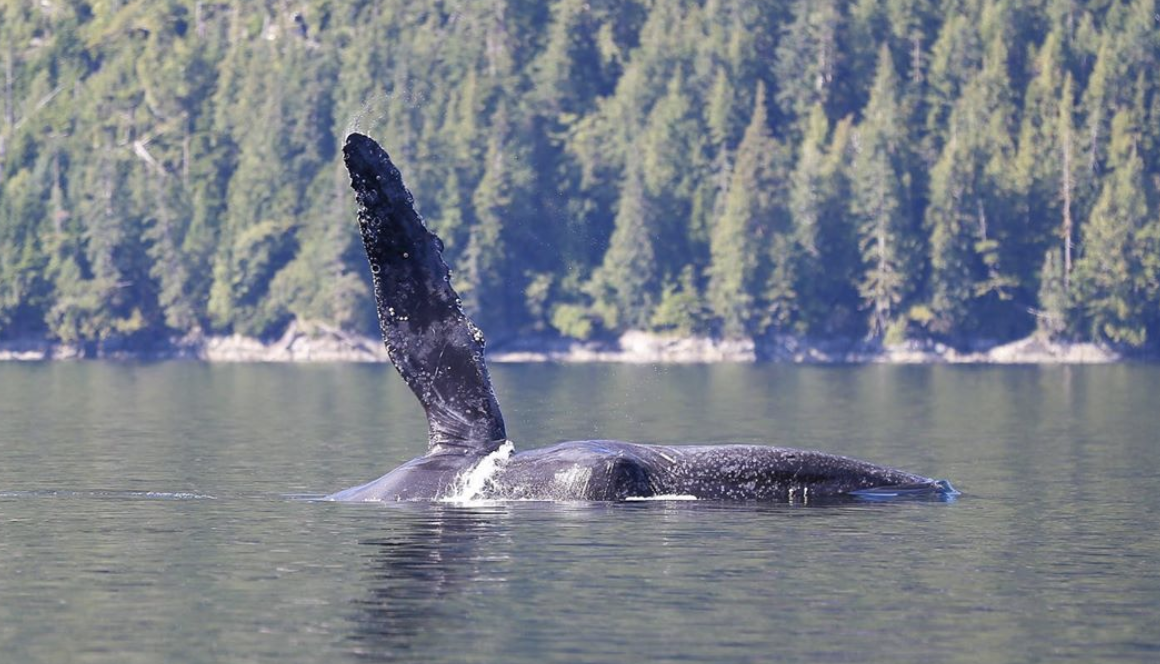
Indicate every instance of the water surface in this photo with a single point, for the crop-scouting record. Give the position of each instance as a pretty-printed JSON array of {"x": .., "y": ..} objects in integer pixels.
[{"x": 153, "y": 512}]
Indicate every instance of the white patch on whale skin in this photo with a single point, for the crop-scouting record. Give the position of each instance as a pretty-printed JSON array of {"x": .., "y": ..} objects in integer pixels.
[
  {"x": 572, "y": 481},
  {"x": 469, "y": 485}
]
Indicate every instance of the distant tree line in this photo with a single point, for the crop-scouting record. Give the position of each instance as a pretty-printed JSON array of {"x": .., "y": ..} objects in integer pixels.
[{"x": 953, "y": 169}]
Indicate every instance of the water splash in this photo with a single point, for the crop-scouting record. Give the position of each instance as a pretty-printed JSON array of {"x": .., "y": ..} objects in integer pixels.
[
  {"x": 664, "y": 497},
  {"x": 470, "y": 484},
  {"x": 376, "y": 109}
]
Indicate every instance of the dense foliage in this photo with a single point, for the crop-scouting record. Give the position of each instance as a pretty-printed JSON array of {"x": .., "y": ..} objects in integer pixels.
[{"x": 955, "y": 169}]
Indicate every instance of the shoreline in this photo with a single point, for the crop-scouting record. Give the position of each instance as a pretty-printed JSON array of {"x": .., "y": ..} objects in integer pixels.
[{"x": 312, "y": 342}]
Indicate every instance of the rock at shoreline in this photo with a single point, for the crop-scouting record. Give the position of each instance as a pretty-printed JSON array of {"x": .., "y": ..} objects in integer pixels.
[
  {"x": 305, "y": 341},
  {"x": 1034, "y": 350},
  {"x": 633, "y": 347},
  {"x": 35, "y": 350},
  {"x": 637, "y": 347},
  {"x": 302, "y": 342}
]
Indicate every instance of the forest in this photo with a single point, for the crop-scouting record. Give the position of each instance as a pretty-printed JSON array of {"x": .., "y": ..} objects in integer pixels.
[{"x": 969, "y": 171}]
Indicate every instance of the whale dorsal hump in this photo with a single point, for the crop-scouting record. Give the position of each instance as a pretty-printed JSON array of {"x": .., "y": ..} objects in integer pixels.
[{"x": 435, "y": 347}]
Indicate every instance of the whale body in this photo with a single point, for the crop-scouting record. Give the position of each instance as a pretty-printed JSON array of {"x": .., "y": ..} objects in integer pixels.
[{"x": 439, "y": 352}]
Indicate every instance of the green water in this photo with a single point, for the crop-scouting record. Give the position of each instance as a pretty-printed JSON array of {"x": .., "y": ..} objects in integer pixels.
[{"x": 153, "y": 513}]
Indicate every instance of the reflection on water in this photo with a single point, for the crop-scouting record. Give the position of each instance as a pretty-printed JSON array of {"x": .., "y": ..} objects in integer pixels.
[
  {"x": 148, "y": 513},
  {"x": 439, "y": 553},
  {"x": 663, "y": 581}
]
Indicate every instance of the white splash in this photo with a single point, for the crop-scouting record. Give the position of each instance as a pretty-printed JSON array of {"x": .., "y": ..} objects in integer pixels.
[
  {"x": 668, "y": 496},
  {"x": 470, "y": 484}
]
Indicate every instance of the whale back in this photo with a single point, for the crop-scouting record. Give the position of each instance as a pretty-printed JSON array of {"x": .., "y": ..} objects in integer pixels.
[{"x": 434, "y": 346}]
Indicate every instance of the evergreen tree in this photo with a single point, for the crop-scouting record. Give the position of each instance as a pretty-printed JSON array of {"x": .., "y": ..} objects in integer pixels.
[
  {"x": 879, "y": 203},
  {"x": 1045, "y": 162},
  {"x": 1065, "y": 137},
  {"x": 23, "y": 285},
  {"x": 973, "y": 214},
  {"x": 741, "y": 239},
  {"x": 822, "y": 256},
  {"x": 1117, "y": 271},
  {"x": 1051, "y": 318},
  {"x": 493, "y": 272},
  {"x": 626, "y": 285},
  {"x": 808, "y": 57},
  {"x": 722, "y": 114},
  {"x": 672, "y": 166},
  {"x": 956, "y": 58}
]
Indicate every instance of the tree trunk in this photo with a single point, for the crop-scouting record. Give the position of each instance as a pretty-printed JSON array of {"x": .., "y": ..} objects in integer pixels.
[{"x": 1066, "y": 186}]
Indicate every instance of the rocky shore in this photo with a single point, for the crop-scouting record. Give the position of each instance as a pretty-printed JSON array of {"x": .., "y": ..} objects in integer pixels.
[
  {"x": 647, "y": 348},
  {"x": 313, "y": 342}
]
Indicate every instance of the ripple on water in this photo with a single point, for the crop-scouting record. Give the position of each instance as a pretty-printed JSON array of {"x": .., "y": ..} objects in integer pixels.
[{"x": 106, "y": 494}]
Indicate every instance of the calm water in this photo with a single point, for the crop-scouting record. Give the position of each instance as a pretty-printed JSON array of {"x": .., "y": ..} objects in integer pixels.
[{"x": 151, "y": 512}]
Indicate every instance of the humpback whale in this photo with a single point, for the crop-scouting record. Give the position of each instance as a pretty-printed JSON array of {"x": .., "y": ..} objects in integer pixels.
[{"x": 439, "y": 352}]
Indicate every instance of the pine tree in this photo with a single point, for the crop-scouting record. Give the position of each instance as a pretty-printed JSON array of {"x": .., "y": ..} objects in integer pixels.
[
  {"x": 956, "y": 57},
  {"x": 673, "y": 166},
  {"x": 1065, "y": 136},
  {"x": 974, "y": 216},
  {"x": 1116, "y": 272},
  {"x": 822, "y": 256},
  {"x": 1037, "y": 162},
  {"x": 811, "y": 189},
  {"x": 741, "y": 239},
  {"x": 494, "y": 275},
  {"x": 23, "y": 284},
  {"x": 808, "y": 58},
  {"x": 487, "y": 249},
  {"x": 627, "y": 284},
  {"x": 1128, "y": 49},
  {"x": 1051, "y": 318},
  {"x": 913, "y": 24},
  {"x": 722, "y": 114},
  {"x": 879, "y": 203}
]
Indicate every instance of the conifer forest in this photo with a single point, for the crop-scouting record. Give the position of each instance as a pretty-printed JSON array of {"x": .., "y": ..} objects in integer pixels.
[{"x": 954, "y": 170}]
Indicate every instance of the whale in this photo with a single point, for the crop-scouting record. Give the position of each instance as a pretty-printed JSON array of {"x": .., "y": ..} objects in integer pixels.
[{"x": 439, "y": 353}]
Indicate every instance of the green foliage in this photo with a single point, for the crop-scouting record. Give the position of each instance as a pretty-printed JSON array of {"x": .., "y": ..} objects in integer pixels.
[
  {"x": 682, "y": 310},
  {"x": 1051, "y": 320},
  {"x": 573, "y": 320},
  {"x": 819, "y": 260},
  {"x": 1117, "y": 274},
  {"x": 974, "y": 212},
  {"x": 879, "y": 203},
  {"x": 741, "y": 241},
  {"x": 625, "y": 285},
  {"x": 809, "y": 57},
  {"x": 962, "y": 170}
]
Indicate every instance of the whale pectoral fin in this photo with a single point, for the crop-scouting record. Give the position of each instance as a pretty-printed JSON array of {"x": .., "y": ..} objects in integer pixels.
[
  {"x": 434, "y": 346},
  {"x": 935, "y": 489}
]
